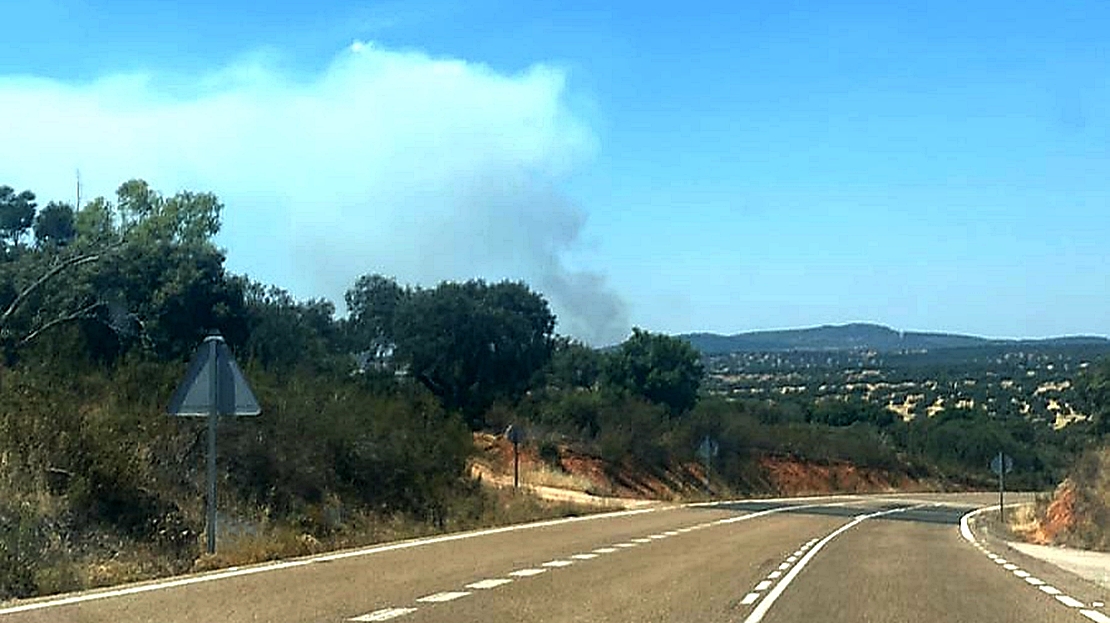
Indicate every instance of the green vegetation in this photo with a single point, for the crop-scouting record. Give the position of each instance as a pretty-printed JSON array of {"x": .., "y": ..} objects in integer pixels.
[{"x": 367, "y": 420}]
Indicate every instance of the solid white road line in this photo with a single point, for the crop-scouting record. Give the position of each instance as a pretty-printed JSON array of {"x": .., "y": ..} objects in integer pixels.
[
  {"x": 558, "y": 563},
  {"x": 384, "y": 615},
  {"x": 750, "y": 599},
  {"x": 765, "y": 606},
  {"x": 527, "y": 573},
  {"x": 1070, "y": 602},
  {"x": 439, "y": 598},
  {"x": 488, "y": 584},
  {"x": 1095, "y": 616}
]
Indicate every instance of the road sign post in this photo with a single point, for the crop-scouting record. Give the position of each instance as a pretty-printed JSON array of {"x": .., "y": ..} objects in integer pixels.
[
  {"x": 1001, "y": 465},
  {"x": 513, "y": 434},
  {"x": 708, "y": 449},
  {"x": 213, "y": 386}
]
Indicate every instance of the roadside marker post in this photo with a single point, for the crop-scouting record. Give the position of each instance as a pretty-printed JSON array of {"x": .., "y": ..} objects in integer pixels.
[
  {"x": 1002, "y": 464},
  {"x": 213, "y": 386}
]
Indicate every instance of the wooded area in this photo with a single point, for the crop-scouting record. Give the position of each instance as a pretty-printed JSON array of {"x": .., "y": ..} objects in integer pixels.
[{"x": 367, "y": 418}]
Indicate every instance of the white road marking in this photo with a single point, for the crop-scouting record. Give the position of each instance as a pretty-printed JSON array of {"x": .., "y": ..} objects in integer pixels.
[
  {"x": 558, "y": 563},
  {"x": 764, "y": 585},
  {"x": 1001, "y": 561},
  {"x": 800, "y": 552},
  {"x": 527, "y": 573},
  {"x": 606, "y": 550},
  {"x": 641, "y": 540},
  {"x": 784, "y": 566},
  {"x": 584, "y": 556},
  {"x": 1035, "y": 581},
  {"x": 1070, "y": 602},
  {"x": 439, "y": 598},
  {"x": 775, "y": 575},
  {"x": 657, "y": 536},
  {"x": 1095, "y": 616},
  {"x": 487, "y": 584},
  {"x": 992, "y": 556},
  {"x": 290, "y": 564},
  {"x": 1010, "y": 567},
  {"x": 1021, "y": 574},
  {"x": 750, "y": 599},
  {"x": 1098, "y": 604},
  {"x": 792, "y": 559},
  {"x": 384, "y": 614},
  {"x": 625, "y": 545},
  {"x": 765, "y": 606},
  {"x": 671, "y": 533},
  {"x": 1051, "y": 590}
]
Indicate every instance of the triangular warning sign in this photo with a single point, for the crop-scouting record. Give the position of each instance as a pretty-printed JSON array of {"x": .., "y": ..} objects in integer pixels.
[{"x": 213, "y": 362}]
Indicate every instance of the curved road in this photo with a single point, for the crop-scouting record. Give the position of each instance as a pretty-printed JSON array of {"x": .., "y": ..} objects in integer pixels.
[{"x": 848, "y": 558}]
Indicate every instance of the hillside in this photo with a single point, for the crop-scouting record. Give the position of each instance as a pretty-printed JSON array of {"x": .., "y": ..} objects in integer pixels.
[{"x": 858, "y": 336}]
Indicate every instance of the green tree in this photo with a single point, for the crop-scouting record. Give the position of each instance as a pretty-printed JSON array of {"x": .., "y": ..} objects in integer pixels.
[
  {"x": 17, "y": 214},
  {"x": 574, "y": 365},
  {"x": 661, "y": 369},
  {"x": 54, "y": 225},
  {"x": 1093, "y": 389},
  {"x": 470, "y": 343}
]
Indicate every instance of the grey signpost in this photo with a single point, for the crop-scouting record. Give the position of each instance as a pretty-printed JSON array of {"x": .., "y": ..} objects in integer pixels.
[
  {"x": 514, "y": 435},
  {"x": 708, "y": 449},
  {"x": 1002, "y": 464},
  {"x": 213, "y": 386}
]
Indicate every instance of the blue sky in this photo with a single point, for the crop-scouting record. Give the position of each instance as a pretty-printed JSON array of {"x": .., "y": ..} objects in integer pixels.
[{"x": 691, "y": 166}]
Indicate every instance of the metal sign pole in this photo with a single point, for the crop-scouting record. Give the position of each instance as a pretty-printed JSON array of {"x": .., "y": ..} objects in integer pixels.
[
  {"x": 1001, "y": 488},
  {"x": 213, "y": 413},
  {"x": 516, "y": 464}
]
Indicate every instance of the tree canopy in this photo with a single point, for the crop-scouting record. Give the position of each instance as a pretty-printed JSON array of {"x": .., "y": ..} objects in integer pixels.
[{"x": 659, "y": 368}]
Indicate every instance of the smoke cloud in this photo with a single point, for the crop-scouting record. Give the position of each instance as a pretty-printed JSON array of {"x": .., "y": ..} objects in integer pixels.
[{"x": 386, "y": 161}]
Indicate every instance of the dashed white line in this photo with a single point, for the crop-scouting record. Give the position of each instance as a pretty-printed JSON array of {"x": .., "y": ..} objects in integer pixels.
[
  {"x": 992, "y": 556},
  {"x": 671, "y": 533},
  {"x": 750, "y": 599},
  {"x": 606, "y": 550},
  {"x": 439, "y": 598},
  {"x": 1070, "y": 602},
  {"x": 764, "y": 585},
  {"x": 1001, "y": 561},
  {"x": 1010, "y": 567},
  {"x": 775, "y": 575},
  {"x": 384, "y": 615},
  {"x": 1035, "y": 581},
  {"x": 1021, "y": 574},
  {"x": 1095, "y": 616},
  {"x": 527, "y": 573},
  {"x": 584, "y": 556},
  {"x": 657, "y": 536},
  {"x": 641, "y": 541},
  {"x": 558, "y": 563},
  {"x": 784, "y": 566},
  {"x": 488, "y": 584},
  {"x": 792, "y": 559},
  {"x": 625, "y": 545},
  {"x": 1051, "y": 590}
]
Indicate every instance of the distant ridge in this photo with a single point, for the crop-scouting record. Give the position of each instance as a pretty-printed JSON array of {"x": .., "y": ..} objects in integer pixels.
[{"x": 861, "y": 336}]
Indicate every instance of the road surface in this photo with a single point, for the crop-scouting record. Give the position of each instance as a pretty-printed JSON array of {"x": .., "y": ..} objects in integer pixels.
[{"x": 830, "y": 559}]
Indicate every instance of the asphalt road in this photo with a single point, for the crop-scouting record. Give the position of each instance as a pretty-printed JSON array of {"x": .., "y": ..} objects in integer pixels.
[{"x": 829, "y": 559}]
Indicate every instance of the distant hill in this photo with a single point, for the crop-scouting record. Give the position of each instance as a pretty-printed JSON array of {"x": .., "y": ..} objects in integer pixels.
[{"x": 860, "y": 336}]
